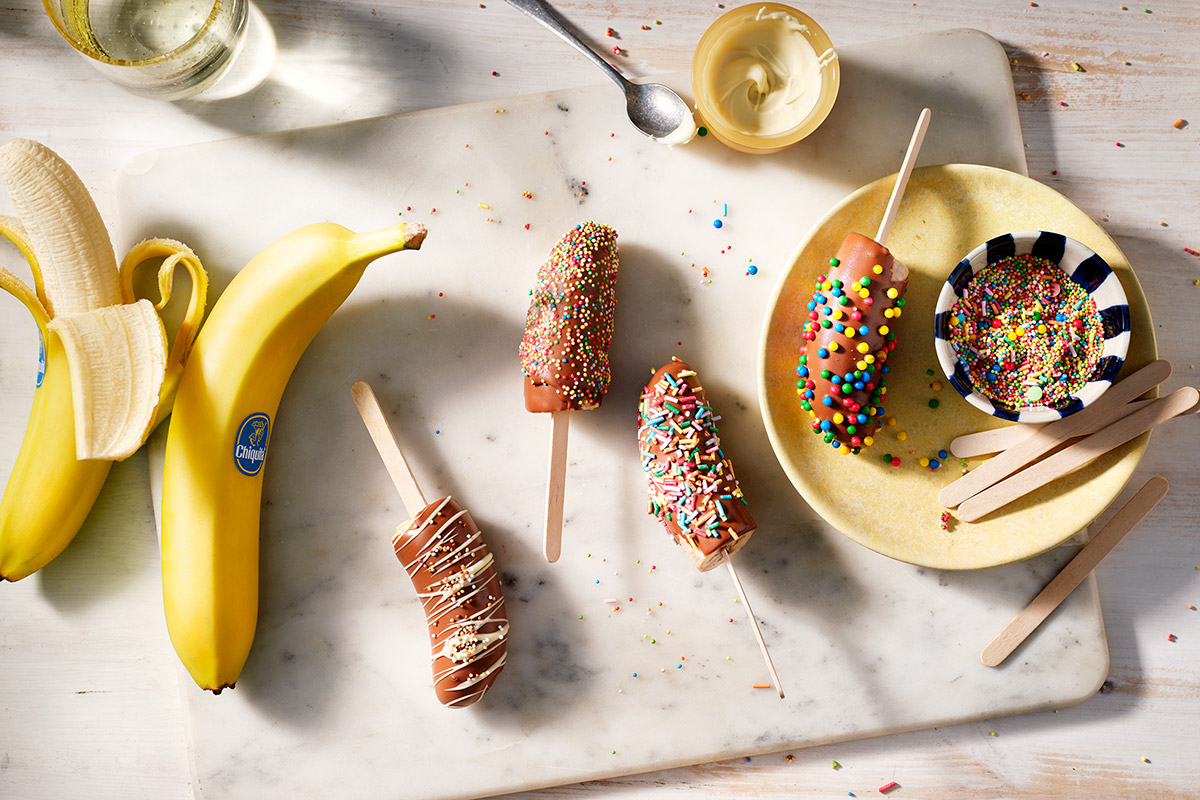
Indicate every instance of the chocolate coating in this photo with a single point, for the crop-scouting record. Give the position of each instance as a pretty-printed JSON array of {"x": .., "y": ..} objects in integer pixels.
[
  {"x": 692, "y": 488},
  {"x": 848, "y": 338},
  {"x": 569, "y": 325},
  {"x": 455, "y": 577}
]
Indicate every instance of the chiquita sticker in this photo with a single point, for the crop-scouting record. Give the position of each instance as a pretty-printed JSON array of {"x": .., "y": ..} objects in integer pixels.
[{"x": 250, "y": 447}]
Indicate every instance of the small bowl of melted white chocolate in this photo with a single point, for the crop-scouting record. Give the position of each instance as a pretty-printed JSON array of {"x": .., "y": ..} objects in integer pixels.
[{"x": 764, "y": 76}]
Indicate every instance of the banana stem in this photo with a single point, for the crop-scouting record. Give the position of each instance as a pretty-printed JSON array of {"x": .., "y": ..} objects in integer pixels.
[{"x": 401, "y": 236}]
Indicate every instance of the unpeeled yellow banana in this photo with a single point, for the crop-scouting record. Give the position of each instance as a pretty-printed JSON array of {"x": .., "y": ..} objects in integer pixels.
[
  {"x": 220, "y": 429},
  {"x": 105, "y": 377}
]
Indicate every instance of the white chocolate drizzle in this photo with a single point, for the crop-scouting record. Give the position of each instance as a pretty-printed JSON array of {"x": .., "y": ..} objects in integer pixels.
[{"x": 467, "y": 569}]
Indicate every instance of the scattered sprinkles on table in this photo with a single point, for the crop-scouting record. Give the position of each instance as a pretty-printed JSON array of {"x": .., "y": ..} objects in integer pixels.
[{"x": 1025, "y": 333}]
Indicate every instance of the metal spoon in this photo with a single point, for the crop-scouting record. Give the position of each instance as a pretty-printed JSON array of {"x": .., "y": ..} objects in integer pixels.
[{"x": 653, "y": 109}]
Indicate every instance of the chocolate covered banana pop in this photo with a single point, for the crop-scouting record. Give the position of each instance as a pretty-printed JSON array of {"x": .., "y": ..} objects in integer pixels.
[
  {"x": 692, "y": 488},
  {"x": 849, "y": 334},
  {"x": 569, "y": 325},
  {"x": 850, "y": 329},
  {"x": 455, "y": 576},
  {"x": 564, "y": 352},
  {"x": 452, "y": 570}
]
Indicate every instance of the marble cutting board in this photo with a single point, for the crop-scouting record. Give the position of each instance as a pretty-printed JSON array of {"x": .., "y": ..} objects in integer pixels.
[{"x": 622, "y": 657}]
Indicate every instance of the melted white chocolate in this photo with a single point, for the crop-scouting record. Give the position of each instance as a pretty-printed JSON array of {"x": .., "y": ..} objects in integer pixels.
[{"x": 766, "y": 77}]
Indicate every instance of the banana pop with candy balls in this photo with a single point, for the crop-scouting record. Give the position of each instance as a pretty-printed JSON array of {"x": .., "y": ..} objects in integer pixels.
[
  {"x": 849, "y": 331},
  {"x": 847, "y": 340}
]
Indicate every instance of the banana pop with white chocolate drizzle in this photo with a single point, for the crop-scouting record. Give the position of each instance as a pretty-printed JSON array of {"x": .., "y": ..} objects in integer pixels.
[
  {"x": 452, "y": 570},
  {"x": 455, "y": 576}
]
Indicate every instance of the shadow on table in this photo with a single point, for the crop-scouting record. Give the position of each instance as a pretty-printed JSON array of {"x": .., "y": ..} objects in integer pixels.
[
  {"x": 116, "y": 544},
  {"x": 322, "y": 62},
  {"x": 23, "y": 22}
]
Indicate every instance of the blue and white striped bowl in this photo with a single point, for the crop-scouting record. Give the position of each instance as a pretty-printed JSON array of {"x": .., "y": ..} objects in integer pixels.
[{"x": 1081, "y": 265}]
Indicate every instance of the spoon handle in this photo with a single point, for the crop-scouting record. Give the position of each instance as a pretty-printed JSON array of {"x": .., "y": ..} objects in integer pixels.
[{"x": 543, "y": 13}]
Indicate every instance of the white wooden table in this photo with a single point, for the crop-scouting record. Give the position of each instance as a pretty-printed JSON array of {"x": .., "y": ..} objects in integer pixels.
[{"x": 90, "y": 708}]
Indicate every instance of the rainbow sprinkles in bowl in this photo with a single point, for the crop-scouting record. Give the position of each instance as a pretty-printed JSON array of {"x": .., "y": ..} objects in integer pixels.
[{"x": 1031, "y": 326}]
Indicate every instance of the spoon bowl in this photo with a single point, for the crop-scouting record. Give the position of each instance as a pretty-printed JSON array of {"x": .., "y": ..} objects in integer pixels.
[{"x": 658, "y": 112}]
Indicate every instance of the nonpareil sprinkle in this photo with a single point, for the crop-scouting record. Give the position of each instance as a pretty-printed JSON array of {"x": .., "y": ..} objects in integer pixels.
[{"x": 1026, "y": 334}]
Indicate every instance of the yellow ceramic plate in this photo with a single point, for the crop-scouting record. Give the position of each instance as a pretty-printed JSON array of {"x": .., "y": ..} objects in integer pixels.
[{"x": 947, "y": 210}]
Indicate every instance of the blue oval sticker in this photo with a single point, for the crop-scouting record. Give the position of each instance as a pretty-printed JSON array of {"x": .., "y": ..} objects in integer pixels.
[{"x": 250, "y": 447}]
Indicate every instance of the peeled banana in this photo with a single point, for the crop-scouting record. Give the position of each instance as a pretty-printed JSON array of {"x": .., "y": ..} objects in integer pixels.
[
  {"x": 104, "y": 375},
  {"x": 221, "y": 425}
]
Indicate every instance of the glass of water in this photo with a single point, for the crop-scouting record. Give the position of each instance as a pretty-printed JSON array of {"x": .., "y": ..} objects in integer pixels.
[{"x": 168, "y": 49}]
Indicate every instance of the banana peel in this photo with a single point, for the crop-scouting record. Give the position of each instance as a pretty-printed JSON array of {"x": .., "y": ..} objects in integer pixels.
[{"x": 108, "y": 377}]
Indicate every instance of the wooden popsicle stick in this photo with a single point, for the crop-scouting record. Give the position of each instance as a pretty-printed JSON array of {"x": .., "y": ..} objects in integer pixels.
[
  {"x": 1078, "y": 454},
  {"x": 1048, "y": 437},
  {"x": 996, "y": 440},
  {"x": 556, "y": 484},
  {"x": 389, "y": 450},
  {"x": 1074, "y": 572},
  {"x": 906, "y": 168},
  {"x": 982, "y": 443},
  {"x": 762, "y": 644}
]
